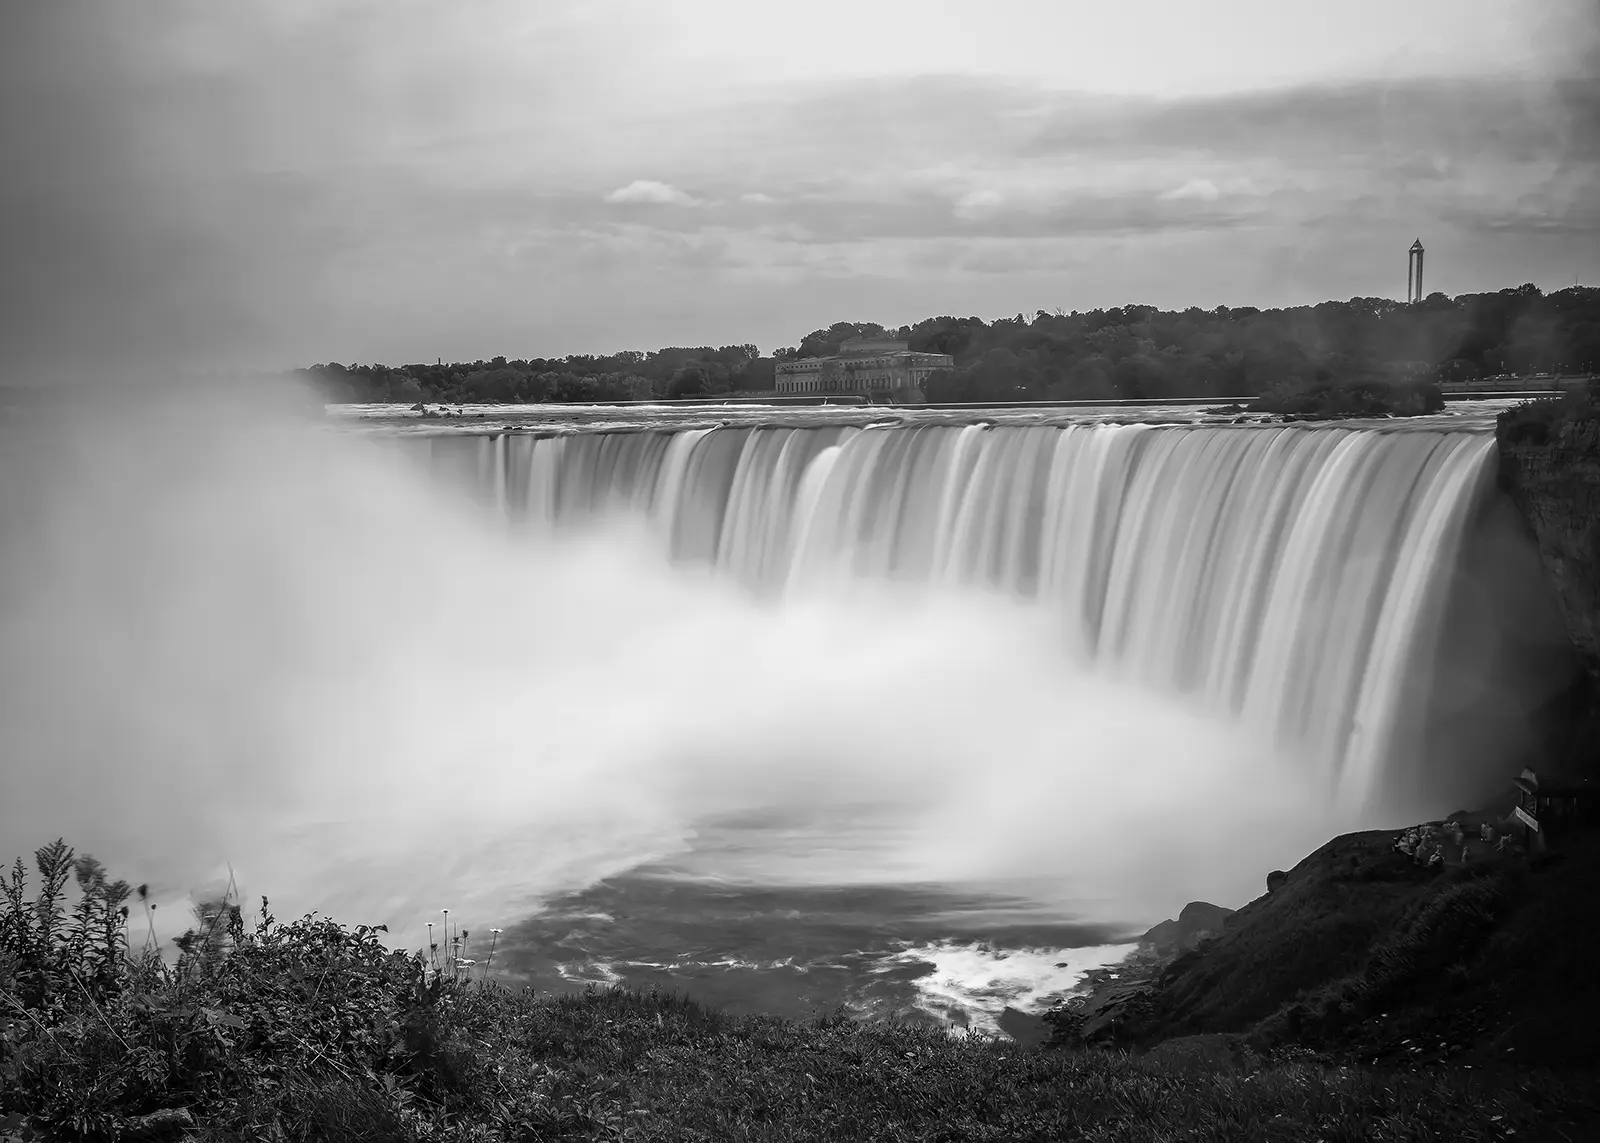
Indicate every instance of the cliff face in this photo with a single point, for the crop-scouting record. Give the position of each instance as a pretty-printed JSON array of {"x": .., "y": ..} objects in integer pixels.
[{"x": 1553, "y": 476}]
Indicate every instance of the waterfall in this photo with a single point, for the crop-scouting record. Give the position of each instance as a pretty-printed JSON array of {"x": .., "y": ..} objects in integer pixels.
[{"x": 1287, "y": 576}]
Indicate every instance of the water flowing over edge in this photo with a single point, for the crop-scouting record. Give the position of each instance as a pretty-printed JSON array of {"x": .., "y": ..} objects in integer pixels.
[{"x": 1290, "y": 578}]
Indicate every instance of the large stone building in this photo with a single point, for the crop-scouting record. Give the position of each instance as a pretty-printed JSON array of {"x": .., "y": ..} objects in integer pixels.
[{"x": 863, "y": 365}]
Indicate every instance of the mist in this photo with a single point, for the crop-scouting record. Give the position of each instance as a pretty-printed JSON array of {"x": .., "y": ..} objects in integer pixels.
[{"x": 233, "y": 638}]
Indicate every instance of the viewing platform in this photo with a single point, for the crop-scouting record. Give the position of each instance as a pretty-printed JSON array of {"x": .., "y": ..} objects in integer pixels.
[
  {"x": 1509, "y": 385},
  {"x": 1552, "y": 804}
]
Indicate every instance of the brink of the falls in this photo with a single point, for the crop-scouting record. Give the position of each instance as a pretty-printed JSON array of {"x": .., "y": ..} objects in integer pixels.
[{"x": 1293, "y": 579}]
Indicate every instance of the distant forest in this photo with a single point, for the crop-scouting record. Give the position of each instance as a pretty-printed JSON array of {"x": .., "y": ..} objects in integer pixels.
[{"x": 1125, "y": 352}]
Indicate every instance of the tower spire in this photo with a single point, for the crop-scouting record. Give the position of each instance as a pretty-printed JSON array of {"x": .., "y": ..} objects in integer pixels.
[{"x": 1414, "y": 273}]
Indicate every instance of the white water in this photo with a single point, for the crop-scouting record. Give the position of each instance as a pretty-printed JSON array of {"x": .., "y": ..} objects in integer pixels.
[
  {"x": 972, "y": 984},
  {"x": 1290, "y": 579},
  {"x": 1124, "y": 667}
]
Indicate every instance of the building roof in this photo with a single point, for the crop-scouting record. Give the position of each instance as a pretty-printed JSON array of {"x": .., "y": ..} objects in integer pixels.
[
  {"x": 886, "y": 349},
  {"x": 873, "y": 345}
]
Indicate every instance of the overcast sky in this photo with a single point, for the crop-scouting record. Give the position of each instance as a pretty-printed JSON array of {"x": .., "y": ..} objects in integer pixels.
[{"x": 290, "y": 181}]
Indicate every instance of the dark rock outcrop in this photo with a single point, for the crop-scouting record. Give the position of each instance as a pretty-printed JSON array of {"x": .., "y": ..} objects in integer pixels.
[
  {"x": 1162, "y": 936},
  {"x": 1197, "y": 921},
  {"x": 1553, "y": 477},
  {"x": 1114, "y": 1000},
  {"x": 1201, "y": 919},
  {"x": 1118, "y": 997},
  {"x": 1549, "y": 454}
]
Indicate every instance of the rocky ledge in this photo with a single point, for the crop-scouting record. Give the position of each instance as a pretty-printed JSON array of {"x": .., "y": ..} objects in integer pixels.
[
  {"x": 1113, "y": 997},
  {"x": 1109, "y": 997}
]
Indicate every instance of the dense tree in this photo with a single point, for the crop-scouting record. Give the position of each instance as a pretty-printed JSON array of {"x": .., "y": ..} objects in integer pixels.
[
  {"x": 1127, "y": 351},
  {"x": 1139, "y": 351},
  {"x": 826, "y": 342},
  {"x": 688, "y": 381}
]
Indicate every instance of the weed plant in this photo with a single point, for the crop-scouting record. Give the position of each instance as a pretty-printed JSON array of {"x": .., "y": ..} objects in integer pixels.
[{"x": 309, "y": 1030}]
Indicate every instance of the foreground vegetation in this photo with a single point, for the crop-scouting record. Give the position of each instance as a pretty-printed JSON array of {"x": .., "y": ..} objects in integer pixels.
[
  {"x": 1124, "y": 352},
  {"x": 310, "y": 1030}
]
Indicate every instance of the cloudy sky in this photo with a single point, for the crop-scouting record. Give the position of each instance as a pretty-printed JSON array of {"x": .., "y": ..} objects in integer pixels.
[{"x": 288, "y": 181}]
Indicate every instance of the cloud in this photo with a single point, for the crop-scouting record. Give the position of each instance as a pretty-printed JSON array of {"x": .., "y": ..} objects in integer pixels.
[
  {"x": 308, "y": 181},
  {"x": 648, "y": 190},
  {"x": 978, "y": 204},
  {"x": 1512, "y": 119},
  {"x": 1203, "y": 189}
]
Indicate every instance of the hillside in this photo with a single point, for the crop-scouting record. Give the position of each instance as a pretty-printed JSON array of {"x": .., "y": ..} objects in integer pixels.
[{"x": 1362, "y": 955}]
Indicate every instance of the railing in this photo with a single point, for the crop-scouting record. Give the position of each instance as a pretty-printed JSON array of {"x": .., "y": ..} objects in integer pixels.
[{"x": 1534, "y": 383}]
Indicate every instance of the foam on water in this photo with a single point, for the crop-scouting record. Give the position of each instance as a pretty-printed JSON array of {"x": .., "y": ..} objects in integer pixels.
[{"x": 970, "y": 983}]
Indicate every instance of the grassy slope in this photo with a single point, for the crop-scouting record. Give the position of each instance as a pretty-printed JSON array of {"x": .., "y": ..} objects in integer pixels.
[
  {"x": 1319, "y": 924},
  {"x": 501, "y": 1065},
  {"x": 1367, "y": 956},
  {"x": 670, "y": 1070}
]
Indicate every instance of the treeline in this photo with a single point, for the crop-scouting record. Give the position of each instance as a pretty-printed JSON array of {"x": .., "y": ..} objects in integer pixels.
[
  {"x": 627, "y": 376},
  {"x": 1143, "y": 352},
  {"x": 1124, "y": 352}
]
